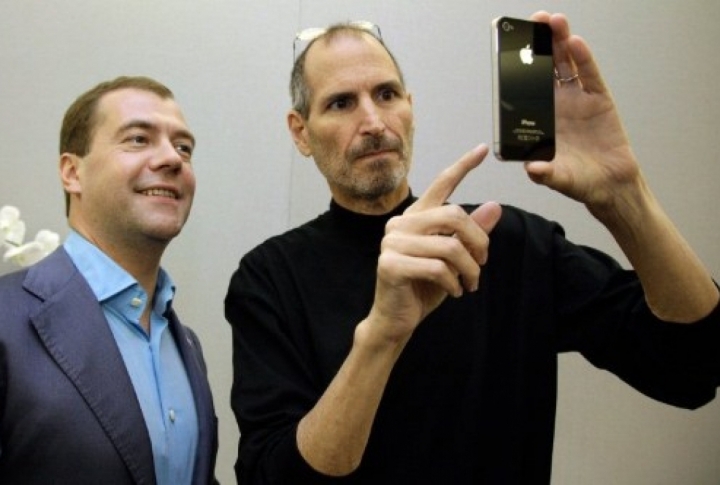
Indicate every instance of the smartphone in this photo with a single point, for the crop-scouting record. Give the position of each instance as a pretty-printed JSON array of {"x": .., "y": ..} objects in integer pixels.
[{"x": 523, "y": 90}]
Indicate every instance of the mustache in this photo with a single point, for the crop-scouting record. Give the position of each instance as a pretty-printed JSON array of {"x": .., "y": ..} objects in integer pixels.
[{"x": 376, "y": 144}]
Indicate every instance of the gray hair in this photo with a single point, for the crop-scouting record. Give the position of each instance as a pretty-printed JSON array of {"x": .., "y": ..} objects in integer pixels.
[{"x": 300, "y": 91}]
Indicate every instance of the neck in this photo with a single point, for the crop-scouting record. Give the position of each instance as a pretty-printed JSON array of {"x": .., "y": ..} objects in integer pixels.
[
  {"x": 374, "y": 207},
  {"x": 144, "y": 268}
]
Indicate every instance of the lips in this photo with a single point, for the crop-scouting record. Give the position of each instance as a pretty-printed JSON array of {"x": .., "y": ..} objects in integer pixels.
[
  {"x": 376, "y": 146},
  {"x": 158, "y": 192},
  {"x": 372, "y": 154}
]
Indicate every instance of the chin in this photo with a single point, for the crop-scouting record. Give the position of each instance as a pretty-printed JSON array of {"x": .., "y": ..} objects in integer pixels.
[
  {"x": 165, "y": 231},
  {"x": 377, "y": 190}
]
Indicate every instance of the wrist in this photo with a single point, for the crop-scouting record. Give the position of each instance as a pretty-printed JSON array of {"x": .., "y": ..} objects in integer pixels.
[
  {"x": 627, "y": 207},
  {"x": 369, "y": 336}
]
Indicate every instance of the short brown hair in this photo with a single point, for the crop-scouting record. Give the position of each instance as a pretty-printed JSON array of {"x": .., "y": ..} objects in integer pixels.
[{"x": 80, "y": 120}]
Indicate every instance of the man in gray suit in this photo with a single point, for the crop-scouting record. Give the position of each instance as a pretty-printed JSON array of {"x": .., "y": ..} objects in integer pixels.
[{"x": 99, "y": 381}]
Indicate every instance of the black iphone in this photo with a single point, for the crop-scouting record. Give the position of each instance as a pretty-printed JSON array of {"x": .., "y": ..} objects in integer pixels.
[{"x": 523, "y": 90}]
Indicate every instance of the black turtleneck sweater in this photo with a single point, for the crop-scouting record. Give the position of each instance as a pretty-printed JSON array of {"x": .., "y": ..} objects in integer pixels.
[{"x": 472, "y": 398}]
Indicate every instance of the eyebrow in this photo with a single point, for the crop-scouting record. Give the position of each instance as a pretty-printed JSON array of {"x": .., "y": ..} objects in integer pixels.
[
  {"x": 147, "y": 125},
  {"x": 390, "y": 84},
  {"x": 335, "y": 96}
]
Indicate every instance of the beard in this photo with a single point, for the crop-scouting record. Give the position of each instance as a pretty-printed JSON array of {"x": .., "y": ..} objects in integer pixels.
[
  {"x": 369, "y": 180},
  {"x": 383, "y": 178}
]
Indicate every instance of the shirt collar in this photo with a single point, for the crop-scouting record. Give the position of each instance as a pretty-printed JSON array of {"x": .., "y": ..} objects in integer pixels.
[
  {"x": 106, "y": 278},
  {"x": 360, "y": 228}
]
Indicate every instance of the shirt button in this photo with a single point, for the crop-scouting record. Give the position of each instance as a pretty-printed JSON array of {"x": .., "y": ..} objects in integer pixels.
[
  {"x": 171, "y": 414},
  {"x": 136, "y": 302}
]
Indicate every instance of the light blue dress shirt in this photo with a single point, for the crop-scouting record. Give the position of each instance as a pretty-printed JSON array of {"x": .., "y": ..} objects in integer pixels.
[{"x": 153, "y": 361}]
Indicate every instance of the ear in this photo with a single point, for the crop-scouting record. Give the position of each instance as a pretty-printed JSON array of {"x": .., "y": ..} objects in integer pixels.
[
  {"x": 298, "y": 130},
  {"x": 70, "y": 173}
]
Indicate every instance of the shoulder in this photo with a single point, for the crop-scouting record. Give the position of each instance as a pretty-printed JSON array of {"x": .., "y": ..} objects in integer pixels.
[
  {"x": 278, "y": 261},
  {"x": 12, "y": 280},
  {"x": 289, "y": 245},
  {"x": 15, "y": 301},
  {"x": 43, "y": 279}
]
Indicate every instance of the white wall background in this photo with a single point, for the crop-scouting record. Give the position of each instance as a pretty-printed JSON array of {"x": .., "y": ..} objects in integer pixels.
[{"x": 228, "y": 63}]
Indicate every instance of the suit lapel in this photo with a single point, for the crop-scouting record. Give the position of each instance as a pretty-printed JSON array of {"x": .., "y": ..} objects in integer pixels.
[
  {"x": 75, "y": 333},
  {"x": 191, "y": 353}
]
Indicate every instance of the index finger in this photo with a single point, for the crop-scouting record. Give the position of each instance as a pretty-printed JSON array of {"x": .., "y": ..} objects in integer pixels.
[{"x": 445, "y": 183}]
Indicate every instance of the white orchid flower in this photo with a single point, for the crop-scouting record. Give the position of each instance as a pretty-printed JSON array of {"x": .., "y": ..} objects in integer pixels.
[
  {"x": 12, "y": 232},
  {"x": 27, "y": 254},
  {"x": 12, "y": 229}
]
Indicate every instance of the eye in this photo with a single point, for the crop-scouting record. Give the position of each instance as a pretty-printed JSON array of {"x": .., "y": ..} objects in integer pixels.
[
  {"x": 340, "y": 104},
  {"x": 137, "y": 139},
  {"x": 388, "y": 94},
  {"x": 185, "y": 149}
]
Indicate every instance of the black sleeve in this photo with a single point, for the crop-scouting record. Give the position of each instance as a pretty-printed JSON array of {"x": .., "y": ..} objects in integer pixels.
[
  {"x": 273, "y": 381},
  {"x": 604, "y": 315}
]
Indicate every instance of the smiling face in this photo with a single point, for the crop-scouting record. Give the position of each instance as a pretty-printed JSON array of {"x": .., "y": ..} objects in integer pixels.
[
  {"x": 359, "y": 126},
  {"x": 135, "y": 185}
]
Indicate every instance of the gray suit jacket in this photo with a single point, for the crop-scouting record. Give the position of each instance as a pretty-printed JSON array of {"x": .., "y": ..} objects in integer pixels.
[{"x": 68, "y": 410}]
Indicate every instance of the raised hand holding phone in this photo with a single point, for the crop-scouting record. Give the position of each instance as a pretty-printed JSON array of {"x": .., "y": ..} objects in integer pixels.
[{"x": 594, "y": 163}]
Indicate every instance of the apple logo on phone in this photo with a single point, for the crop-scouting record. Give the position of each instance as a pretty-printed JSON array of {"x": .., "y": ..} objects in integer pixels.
[{"x": 526, "y": 55}]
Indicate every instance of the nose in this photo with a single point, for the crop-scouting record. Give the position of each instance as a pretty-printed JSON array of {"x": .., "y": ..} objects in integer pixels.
[
  {"x": 372, "y": 120},
  {"x": 168, "y": 157}
]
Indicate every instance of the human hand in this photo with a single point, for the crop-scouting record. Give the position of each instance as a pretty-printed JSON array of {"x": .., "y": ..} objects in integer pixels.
[
  {"x": 594, "y": 162},
  {"x": 433, "y": 250}
]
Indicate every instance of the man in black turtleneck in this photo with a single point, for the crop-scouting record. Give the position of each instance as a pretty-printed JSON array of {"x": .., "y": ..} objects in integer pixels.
[{"x": 397, "y": 339}]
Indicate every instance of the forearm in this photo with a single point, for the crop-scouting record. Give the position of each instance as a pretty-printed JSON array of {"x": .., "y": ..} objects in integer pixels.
[
  {"x": 332, "y": 437},
  {"x": 678, "y": 287}
]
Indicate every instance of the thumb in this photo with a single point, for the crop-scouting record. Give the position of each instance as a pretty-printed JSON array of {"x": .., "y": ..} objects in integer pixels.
[
  {"x": 487, "y": 216},
  {"x": 540, "y": 172}
]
